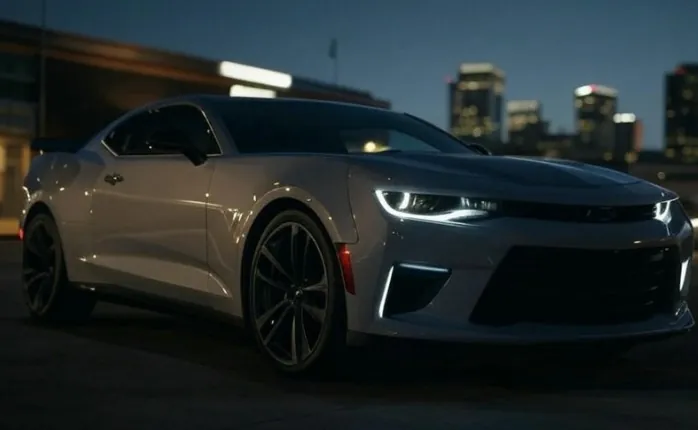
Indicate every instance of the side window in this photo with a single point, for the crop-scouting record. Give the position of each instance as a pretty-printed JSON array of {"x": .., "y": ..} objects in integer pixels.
[
  {"x": 157, "y": 132},
  {"x": 121, "y": 137},
  {"x": 190, "y": 121},
  {"x": 149, "y": 134}
]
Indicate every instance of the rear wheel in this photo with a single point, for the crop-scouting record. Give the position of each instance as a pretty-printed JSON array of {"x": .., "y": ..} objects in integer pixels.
[
  {"x": 48, "y": 294},
  {"x": 296, "y": 296}
]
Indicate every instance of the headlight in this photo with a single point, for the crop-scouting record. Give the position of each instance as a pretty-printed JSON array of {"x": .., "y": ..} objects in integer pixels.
[
  {"x": 428, "y": 207},
  {"x": 662, "y": 211}
]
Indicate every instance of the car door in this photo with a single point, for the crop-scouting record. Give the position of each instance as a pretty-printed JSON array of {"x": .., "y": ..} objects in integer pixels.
[{"x": 149, "y": 205}]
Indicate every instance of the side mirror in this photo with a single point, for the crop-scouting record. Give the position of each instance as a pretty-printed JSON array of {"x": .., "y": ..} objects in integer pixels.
[
  {"x": 194, "y": 155},
  {"x": 480, "y": 149}
]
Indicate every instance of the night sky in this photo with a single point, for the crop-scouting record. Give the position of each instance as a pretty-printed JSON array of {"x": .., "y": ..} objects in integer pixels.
[{"x": 404, "y": 50}]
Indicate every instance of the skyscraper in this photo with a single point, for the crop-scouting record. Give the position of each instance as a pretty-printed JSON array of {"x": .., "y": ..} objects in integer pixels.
[
  {"x": 476, "y": 102},
  {"x": 681, "y": 116},
  {"x": 628, "y": 140},
  {"x": 525, "y": 124},
  {"x": 595, "y": 106}
]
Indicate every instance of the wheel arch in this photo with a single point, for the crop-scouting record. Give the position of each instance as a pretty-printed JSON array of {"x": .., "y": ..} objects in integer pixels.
[
  {"x": 35, "y": 209},
  {"x": 272, "y": 209}
]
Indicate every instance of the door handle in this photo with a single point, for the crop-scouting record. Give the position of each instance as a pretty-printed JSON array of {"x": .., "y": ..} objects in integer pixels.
[{"x": 113, "y": 179}]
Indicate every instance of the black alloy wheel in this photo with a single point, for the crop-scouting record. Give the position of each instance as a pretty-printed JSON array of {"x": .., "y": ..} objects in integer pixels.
[
  {"x": 48, "y": 294},
  {"x": 296, "y": 299}
]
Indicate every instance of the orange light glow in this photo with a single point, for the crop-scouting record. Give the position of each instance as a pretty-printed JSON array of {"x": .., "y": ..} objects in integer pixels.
[{"x": 347, "y": 271}]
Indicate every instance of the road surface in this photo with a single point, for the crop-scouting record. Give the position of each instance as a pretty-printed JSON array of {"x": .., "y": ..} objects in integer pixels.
[{"x": 134, "y": 370}]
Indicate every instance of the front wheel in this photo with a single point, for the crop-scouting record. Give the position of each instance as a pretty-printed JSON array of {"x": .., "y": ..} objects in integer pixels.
[
  {"x": 48, "y": 294},
  {"x": 296, "y": 296}
]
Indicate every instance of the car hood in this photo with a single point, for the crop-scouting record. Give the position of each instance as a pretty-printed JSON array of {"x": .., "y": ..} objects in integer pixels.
[
  {"x": 516, "y": 170},
  {"x": 514, "y": 177}
]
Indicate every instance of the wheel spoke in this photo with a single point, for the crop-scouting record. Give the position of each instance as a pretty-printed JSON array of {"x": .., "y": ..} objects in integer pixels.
[
  {"x": 42, "y": 290},
  {"x": 293, "y": 257},
  {"x": 304, "y": 258},
  {"x": 315, "y": 312},
  {"x": 272, "y": 283},
  {"x": 289, "y": 329},
  {"x": 266, "y": 316},
  {"x": 36, "y": 276},
  {"x": 319, "y": 287},
  {"x": 43, "y": 239},
  {"x": 300, "y": 347},
  {"x": 34, "y": 247},
  {"x": 274, "y": 262},
  {"x": 270, "y": 336}
]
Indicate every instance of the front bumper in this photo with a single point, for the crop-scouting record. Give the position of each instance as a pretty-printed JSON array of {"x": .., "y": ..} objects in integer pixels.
[{"x": 471, "y": 255}]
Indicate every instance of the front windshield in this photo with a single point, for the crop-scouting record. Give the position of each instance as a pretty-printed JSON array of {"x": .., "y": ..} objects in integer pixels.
[{"x": 268, "y": 127}]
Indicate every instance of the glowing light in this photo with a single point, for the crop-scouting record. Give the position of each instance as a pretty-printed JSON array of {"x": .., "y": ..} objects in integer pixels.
[
  {"x": 384, "y": 295},
  {"x": 586, "y": 90},
  {"x": 470, "y": 68},
  {"x": 523, "y": 106},
  {"x": 244, "y": 91},
  {"x": 662, "y": 212},
  {"x": 624, "y": 117},
  {"x": 684, "y": 274},
  {"x": 447, "y": 217},
  {"x": 370, "y": 147},
  {"x": 254, "y": 74}
]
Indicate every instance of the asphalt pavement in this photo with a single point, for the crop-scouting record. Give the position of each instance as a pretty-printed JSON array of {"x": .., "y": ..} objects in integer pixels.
[{"x": 130, "y": 369}]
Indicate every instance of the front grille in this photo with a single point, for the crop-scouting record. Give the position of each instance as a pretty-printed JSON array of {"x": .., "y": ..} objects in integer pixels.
[
  {"x": 577, "y": 213},
  {"x": 580, "y": 287}
]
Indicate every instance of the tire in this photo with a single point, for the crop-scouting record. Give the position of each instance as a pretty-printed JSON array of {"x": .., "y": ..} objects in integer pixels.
[
  {"x": 48, "y": 294},
  {"x": 279, "y": 276}
]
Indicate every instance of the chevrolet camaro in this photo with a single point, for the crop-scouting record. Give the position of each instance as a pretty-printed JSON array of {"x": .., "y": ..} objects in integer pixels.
[{"x": 319, "y": 224}]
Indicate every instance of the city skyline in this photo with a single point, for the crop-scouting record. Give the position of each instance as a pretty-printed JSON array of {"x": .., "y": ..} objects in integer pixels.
[
  {"x": 534, "y": 103},
  {"x": 545, "y": 49}
]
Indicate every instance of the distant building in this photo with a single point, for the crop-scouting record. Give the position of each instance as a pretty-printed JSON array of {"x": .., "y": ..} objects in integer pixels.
[
  {"x": 681, "y": 113},
  {"x": 475, "y": 102},
  {"x": 555, "y": 145},
  {"x": 525, "y": 124},
  {"x": 595, "y": 106},
  {"x": 628, "y": 141},
  {"x": 90, "y": 82}
]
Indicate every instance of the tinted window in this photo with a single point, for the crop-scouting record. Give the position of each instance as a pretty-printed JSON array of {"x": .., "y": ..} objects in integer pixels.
[
  {"x": 128, "y": 131},
  {"x": 278, "y": 126},
  {"x": 157, "y": 131},
  {"x": 190, "y": 120}
]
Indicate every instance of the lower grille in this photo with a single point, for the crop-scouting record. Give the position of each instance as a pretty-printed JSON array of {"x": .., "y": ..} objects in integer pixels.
[{"x": 580, "y": 287}]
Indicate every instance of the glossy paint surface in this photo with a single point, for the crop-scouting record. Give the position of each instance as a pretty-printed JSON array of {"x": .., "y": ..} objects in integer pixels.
[{"x": 175, "y": 230}]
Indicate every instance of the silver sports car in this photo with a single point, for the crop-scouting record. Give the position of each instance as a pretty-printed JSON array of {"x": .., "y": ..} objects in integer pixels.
[{"x": 319, "y": 224}]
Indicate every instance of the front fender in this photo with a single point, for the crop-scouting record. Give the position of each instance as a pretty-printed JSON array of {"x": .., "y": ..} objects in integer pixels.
[{"x": 336, "y": 219}]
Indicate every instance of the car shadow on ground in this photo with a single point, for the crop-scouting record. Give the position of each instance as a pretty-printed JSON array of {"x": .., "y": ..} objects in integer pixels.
[{"x": 402, "y": 372}]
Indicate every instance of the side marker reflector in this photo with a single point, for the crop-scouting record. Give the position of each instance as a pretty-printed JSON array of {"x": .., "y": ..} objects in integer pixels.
[{"x": 347, "y": 273}]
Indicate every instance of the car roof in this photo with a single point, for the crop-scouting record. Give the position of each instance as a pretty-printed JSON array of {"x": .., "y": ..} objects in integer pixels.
[{"x": 220, "y": 101}]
